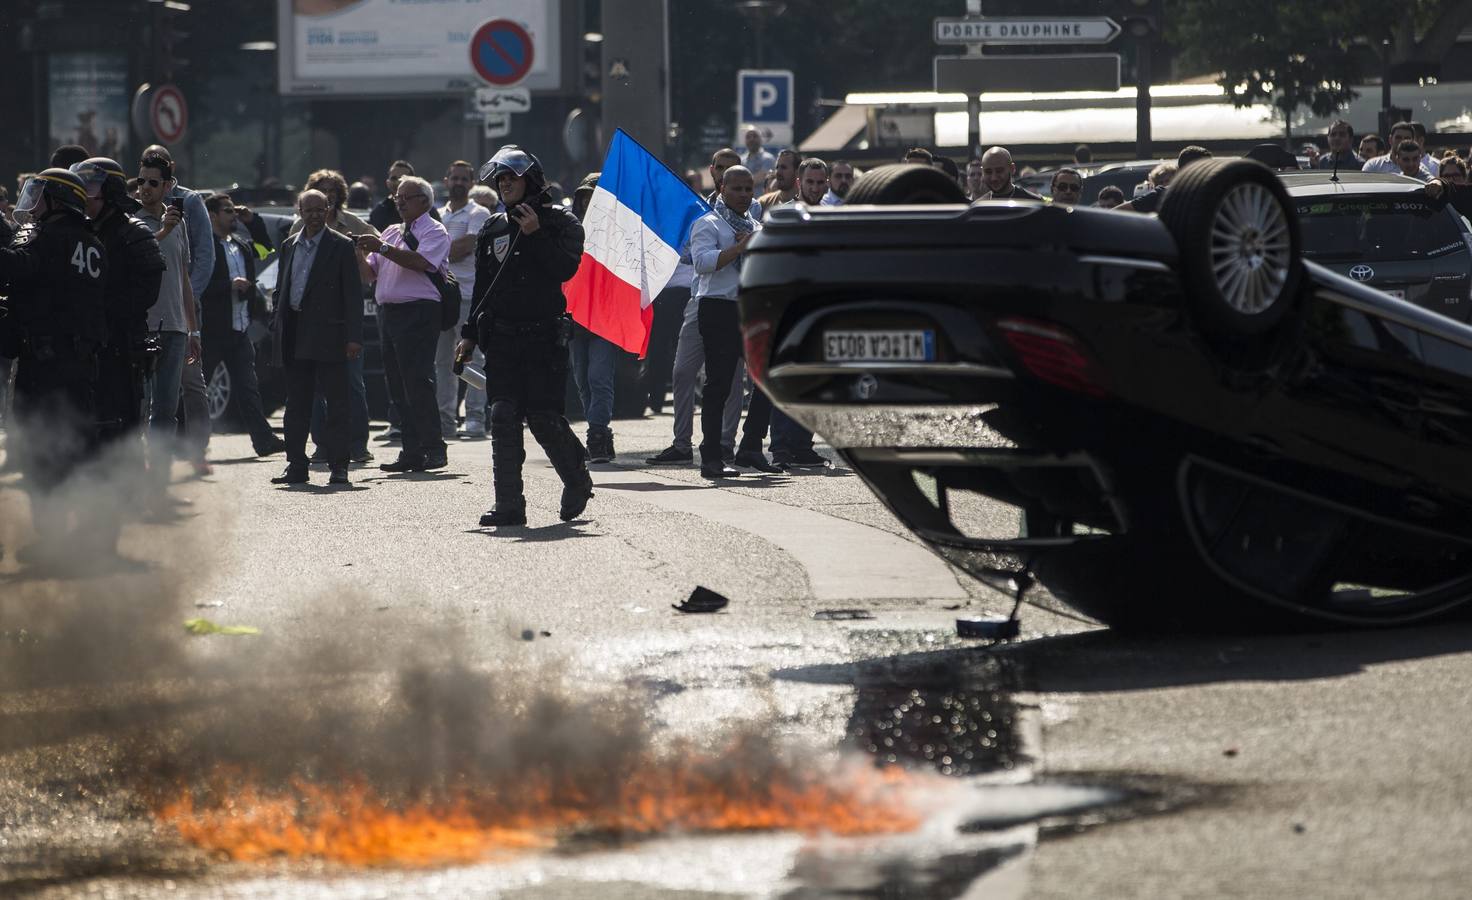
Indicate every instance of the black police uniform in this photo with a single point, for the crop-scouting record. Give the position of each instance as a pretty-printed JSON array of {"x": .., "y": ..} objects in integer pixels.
[
  {"x": 135, "y": 269},
  {"x": 519, "y": 317},
  {"x": 53, "y": 324}
]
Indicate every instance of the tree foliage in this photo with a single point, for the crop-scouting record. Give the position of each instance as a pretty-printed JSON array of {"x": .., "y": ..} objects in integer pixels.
[{"x": 1307, "y": 54}]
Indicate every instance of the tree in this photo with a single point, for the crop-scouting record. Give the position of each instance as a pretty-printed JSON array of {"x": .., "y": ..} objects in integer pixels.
[
  {"x": 1306, "y": 54},
  {"x": 1291, "y": 55}
]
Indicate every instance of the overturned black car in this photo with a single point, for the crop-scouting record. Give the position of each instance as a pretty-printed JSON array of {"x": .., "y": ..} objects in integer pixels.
[{"x": 1172, "y": 421}]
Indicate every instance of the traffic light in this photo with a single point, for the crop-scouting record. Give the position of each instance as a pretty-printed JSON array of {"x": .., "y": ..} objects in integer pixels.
[
  {"x": 1141, "y": 18},
  {"x": 167, "y": 39}
]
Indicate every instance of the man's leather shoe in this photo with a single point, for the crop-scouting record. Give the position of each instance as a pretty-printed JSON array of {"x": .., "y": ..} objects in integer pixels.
[
  {"x": 671, "y": 456},
  {"x": 276, "y": 446},
  {"x": 503, "y": 515},
  {"x": 575, "y": 497},
  {"x": 294, "y": 474},
  {"x": 404, "y": 463},
  {"x": 438, "y": 461},
  {"x": 754, "y": 459},
  {"x": 718, "y": 470},
  {"x": 339, "y": 475}
]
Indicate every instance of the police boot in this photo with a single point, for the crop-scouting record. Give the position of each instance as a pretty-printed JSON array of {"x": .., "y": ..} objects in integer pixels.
[
  {"x": 569, "y": 459},
  {"x": 507, "y": 454}
]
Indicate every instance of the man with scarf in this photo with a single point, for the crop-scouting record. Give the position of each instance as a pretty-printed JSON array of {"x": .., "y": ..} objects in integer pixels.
[
  {"x": 519, "y": 316},
  {"x": 717, "y": 241}
]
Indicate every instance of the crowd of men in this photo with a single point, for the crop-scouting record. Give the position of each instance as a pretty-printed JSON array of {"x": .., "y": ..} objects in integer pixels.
[{"x": 124, "y": 288}]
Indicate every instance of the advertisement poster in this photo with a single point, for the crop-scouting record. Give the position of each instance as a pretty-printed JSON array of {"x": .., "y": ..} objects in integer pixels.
[
  {"x": 403, "y": 46},
  {"x": 89, "y": 101}
]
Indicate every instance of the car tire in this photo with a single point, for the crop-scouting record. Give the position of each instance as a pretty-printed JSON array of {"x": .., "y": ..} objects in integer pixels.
[
  {"x": 1237, "y": 236},
  {"x": 218, "y": 392},
  {"x": 904, "y": 183}
]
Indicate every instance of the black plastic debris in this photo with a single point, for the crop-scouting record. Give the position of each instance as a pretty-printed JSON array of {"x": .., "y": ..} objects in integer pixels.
[
  {"x": 842, "y": 614},
  {"x": 991, "y": 628},
  {"x": 702, "y": 600}
]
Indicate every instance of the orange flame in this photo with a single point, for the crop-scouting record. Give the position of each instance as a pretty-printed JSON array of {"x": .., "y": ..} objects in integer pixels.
[{"x": 353, "y": 823}]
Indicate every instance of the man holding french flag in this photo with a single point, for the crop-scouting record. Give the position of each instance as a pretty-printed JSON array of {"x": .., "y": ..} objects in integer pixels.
[{"x": 637, "y": 221}]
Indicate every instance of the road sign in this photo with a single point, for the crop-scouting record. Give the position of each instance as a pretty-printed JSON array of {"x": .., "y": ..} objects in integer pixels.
[
  {"x": 1030, "y": 31},
  {"x": 766, "y": 96},
  {"x": 494, "y": 125},
  {"x": 765, "y": 100},
  {"x": 168, "y": 114},
  {"x": 1033, "y": 72},
  {"x": 503, "y": 100},
  {"x": 501, "y": 52}
]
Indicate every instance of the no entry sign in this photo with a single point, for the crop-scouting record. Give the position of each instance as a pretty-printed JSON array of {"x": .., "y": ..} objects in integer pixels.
[{"x": 501, "y": 52}]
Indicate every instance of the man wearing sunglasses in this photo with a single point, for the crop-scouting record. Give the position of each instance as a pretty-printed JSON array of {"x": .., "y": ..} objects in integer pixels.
[
  {"x": 1068, "y": 186},
  {"x": 172, "y": 316}
]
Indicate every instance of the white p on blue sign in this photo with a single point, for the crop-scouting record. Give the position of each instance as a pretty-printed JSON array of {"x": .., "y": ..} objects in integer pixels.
[{"x": 765, "y": 100}]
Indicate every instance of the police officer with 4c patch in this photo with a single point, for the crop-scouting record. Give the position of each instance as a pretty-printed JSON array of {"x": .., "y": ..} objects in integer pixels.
[
  {"x": 53, "y": 323},
  {"x": 135, "y": 267},
  {"x": 519, "y": 317}
]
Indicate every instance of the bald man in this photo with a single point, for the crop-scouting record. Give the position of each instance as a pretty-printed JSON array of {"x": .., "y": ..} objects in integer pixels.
[{"x": 997, "y": 170}]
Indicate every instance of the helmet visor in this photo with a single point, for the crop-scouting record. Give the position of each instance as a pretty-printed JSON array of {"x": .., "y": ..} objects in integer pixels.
[
  {"x": 93, "y": 176},
  {"x": 510, "y": 159},
  {"x": 30, "y": 196}
]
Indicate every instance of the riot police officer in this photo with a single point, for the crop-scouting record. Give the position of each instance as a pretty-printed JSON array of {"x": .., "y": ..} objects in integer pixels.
[
  {"x": 519, "y": 316},
  {"x": 53, "y": 323},
  {"x": 135, "y": 268}
]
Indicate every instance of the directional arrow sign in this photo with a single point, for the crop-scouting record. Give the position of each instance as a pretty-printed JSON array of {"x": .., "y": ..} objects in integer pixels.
[{"x": 1036, "y": 30}]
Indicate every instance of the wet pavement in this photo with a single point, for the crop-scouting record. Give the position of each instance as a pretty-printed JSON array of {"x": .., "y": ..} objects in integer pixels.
[{"x": 398, "y": 637}]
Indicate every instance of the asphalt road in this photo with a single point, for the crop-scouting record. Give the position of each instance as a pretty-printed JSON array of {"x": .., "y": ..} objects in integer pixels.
[{"x": 1091, "y": 764}]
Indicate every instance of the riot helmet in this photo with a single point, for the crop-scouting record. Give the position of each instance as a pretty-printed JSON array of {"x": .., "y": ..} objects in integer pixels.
[
  {"x": 516, "y": 161},
  {"x": 64, "y": 189},
  {"x": 104, "y": 178}
]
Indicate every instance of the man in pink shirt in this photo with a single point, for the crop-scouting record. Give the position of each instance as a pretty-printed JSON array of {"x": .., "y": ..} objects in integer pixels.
[{"x": 409, "y": 319}]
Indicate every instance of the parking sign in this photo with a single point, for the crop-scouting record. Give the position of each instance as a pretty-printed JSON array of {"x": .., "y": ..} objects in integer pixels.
[{"x": 765, "y": 100}]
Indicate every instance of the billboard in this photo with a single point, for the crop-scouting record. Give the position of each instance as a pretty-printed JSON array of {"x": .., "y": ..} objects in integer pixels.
[
  {"x": 88, "y": 99},
  {"x": 345, "y": 47}
]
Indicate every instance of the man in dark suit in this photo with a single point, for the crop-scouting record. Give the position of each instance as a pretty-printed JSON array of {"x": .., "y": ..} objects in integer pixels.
[
  {"x": 231, "y": 302},
  {"x": 318, "y": 327}
]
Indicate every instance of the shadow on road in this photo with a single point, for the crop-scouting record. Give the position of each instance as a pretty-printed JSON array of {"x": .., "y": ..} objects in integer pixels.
[{"x": 1115, "y": 661}]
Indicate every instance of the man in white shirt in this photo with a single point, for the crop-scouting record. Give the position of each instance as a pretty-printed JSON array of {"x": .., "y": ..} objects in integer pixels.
[
  {"x": 840, "y": 179},
  {"x": 462, "y": 218},
  {"x": 717, "y": 242},
  {"x": 1389, "y": 165}
]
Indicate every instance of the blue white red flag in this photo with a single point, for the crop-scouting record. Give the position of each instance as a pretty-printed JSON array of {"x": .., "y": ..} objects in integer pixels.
[{"x": 636, "y": 225}]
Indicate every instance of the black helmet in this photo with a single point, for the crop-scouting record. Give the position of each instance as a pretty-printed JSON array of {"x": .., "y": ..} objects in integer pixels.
[
  {"x": 65, "y": 190},
  {"x": 517, "y": 161},
  {"x": 103, "y": 177}
]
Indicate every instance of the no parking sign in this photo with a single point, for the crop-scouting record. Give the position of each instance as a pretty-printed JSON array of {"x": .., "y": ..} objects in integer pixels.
[{"x": 501, "y": 52}]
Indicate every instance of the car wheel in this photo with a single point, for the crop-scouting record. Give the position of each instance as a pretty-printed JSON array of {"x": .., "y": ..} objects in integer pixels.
[
  {"x": 217, "y": 393},
  {"x": 905, "y": 183},
  {"x": 1238, "y": 243}
]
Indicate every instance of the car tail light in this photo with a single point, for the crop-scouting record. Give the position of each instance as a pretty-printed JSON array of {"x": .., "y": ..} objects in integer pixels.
[
  {"x": 1053, "y": 355},
  {"x": 756, "y": 334}
]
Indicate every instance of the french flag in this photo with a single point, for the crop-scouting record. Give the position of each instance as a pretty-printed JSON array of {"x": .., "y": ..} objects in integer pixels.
[{"x": 637, "y": 223}]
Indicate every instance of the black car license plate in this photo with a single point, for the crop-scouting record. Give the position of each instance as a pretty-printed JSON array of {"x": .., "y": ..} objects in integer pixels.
[{"x": 893, "y": 345}]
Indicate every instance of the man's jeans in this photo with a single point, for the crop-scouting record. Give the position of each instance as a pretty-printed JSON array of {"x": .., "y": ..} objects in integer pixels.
[
  {"x": 593, "y": 362},
  {"x": 162, "y": 399},
  {"x": 788, "y": 436},
  {"x": 239, "y": 356},
  {"x": 410, "y": 333},
  {"x": 357, "y": 411},
  {"x": 447, "y": 383},
  {"x": 689, "y": 358}
]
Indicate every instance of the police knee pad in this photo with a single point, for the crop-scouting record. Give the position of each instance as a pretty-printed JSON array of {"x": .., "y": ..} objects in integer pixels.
[
  {"x": 503, "y": 412},
  {"x": 543, "y": 422}
]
